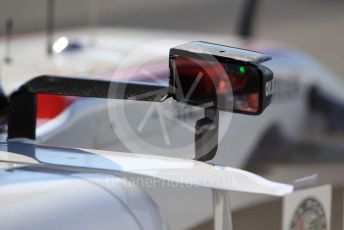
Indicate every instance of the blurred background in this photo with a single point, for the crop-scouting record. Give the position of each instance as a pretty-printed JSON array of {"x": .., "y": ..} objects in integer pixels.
[{"x": 315, "y": 26}]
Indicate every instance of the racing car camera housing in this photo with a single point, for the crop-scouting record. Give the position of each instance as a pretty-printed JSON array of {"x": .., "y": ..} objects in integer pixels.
[{"x": 226, "y": 78}]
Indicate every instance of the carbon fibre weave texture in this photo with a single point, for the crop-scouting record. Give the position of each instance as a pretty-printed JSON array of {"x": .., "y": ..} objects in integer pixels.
[{"x": 23, "y": 103}]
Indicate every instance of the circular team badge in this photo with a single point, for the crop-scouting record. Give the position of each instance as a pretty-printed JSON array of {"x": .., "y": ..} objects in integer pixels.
[{"x": 310, "y": 215}]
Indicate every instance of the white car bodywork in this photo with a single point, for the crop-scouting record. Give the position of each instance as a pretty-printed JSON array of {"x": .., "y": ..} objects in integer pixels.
[
  {"x": 79, "y": 126},
  {"x": 43, "y": 199},
  {"x": 88, "y": 189}
]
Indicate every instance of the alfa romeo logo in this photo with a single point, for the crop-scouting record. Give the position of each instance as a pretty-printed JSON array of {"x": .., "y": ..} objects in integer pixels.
[{"x": 310, "y": 215}]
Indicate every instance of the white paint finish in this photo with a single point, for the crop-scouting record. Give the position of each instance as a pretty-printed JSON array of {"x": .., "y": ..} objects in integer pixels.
[
  {"x": 222, "y": 211},
  {"x": 54, "y": 201},
  {"x": 16, "y": 158},
  {"x": 195, "y": 173},
  {"x": 174, "y": 170},
  {"x": 171, "y": 178}
]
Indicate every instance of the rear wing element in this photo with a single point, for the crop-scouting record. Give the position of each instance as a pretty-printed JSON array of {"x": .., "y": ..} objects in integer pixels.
[
  {"x": 219, "y": 179},
  {"x": 182, "y": 171}
]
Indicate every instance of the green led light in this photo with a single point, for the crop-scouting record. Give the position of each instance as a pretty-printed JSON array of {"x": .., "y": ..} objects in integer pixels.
[{"x": 242, "y": 69}]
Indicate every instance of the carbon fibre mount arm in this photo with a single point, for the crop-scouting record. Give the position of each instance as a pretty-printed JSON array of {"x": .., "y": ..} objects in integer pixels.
[{"x": 23, "y": 102}]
